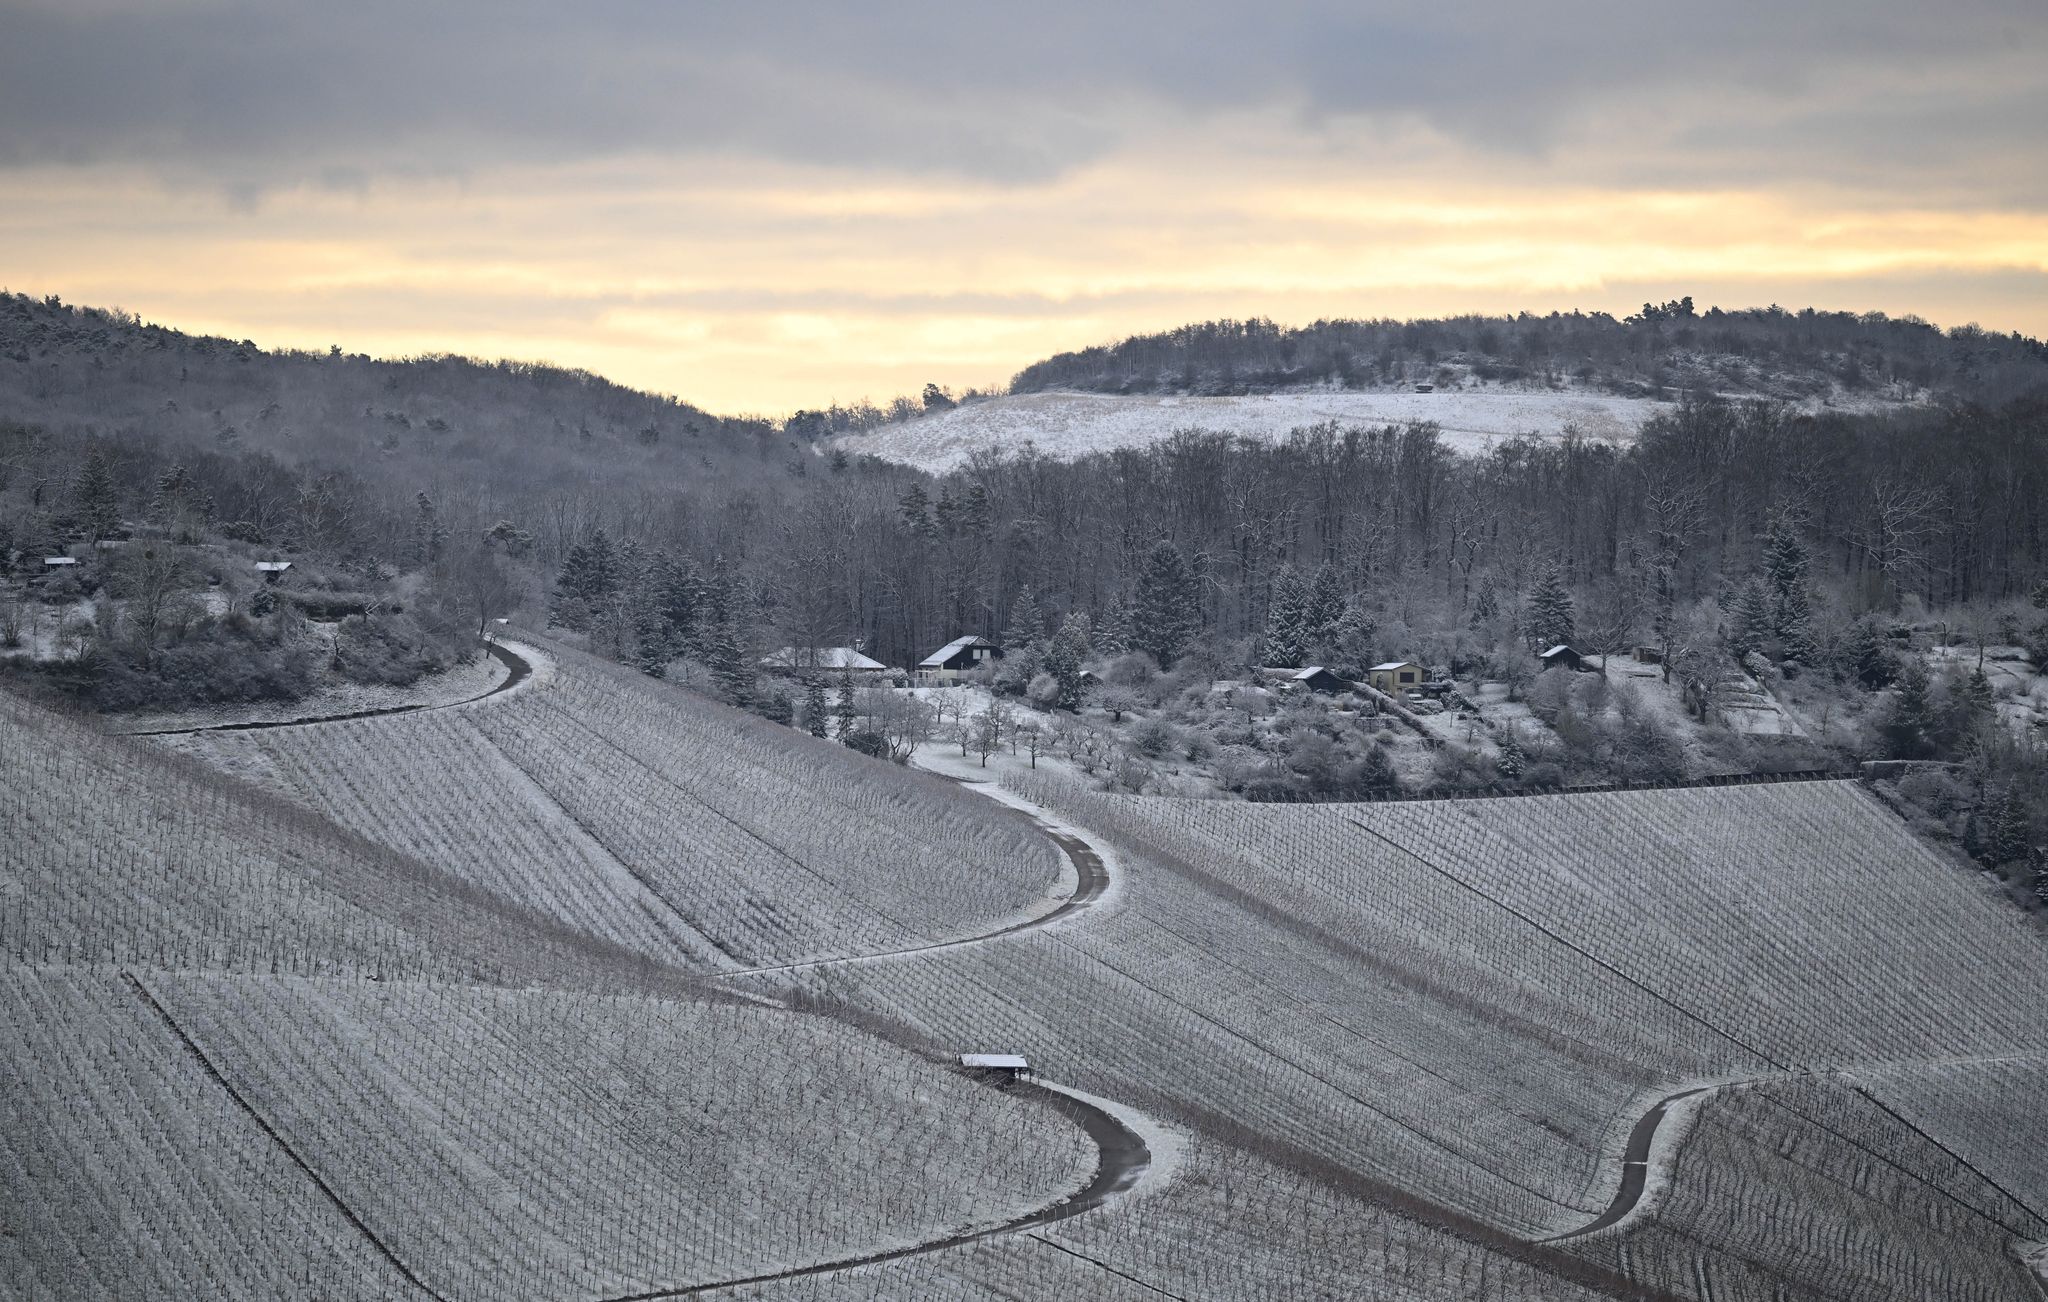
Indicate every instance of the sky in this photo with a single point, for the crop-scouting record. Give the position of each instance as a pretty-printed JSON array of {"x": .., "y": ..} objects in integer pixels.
[{"x": 760, "y": 207}]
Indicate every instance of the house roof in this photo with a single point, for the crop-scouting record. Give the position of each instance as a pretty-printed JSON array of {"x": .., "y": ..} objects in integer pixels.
[
  {"x": 273, "y": 567},
  {"x": 60, "y": 560},
  {"x": 951, "y": 649},
  {"x": 821, "y": 657},
  {"x": 1013, "y": 1062},
  {"x": 1393, "y": 664},
  {"x": 1555, "y": 650}
]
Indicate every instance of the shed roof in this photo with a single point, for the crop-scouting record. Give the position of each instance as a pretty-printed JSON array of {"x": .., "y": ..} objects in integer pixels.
[
  {"x": 1393, "y": 664},
  {"x": 60, "y": 560},
  {"x": 1009, "y": 1061},
  {"x": 1560, "y": 648},
  {"x": 273, "y": 567},
  {"x": 820, "y": 657},
  {"x": 951, "y": 649}
]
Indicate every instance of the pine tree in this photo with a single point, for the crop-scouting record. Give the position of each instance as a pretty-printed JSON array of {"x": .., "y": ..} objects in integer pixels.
[
  {"x": 1169, "y": 611},
  {"x": 1791, "y": 602},
  {"x": 1865, "y": 658},
  {"x": 844, "y": 712},
  {"x": 1326, "y": 606},
  {"x": 2008, "y": 837},
  {"x": 1026, "y": 627},
  {"x": 1550, "y": 609},
  {"x": 1287, "y": 619},
  {"x": 1486, "y": 605},
  {"x": 1513, "y": 759},
  {"x": 429, "y": 534},
  {"x": 1063, "y": 659},
  {"x": 678, "y": 596},
  {"x": 915, "y": 508},
  {"x": 1908, "y": 719},
  {"x": 92, "y": 492},
  {"x": 567, "y": 606},
  {"x": 1112, "y": 636},
  {"x": 1751, "y": 629},
  {"x": 815, "y": 709}
]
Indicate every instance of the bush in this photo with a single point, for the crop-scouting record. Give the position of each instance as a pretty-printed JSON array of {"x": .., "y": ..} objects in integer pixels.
[
  {"x": 390, "y": 649},
  {"x": 1155, "y": 737}
]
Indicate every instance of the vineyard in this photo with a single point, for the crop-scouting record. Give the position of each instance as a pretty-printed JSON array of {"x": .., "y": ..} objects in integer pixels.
[{"x": 595, "y": 990}]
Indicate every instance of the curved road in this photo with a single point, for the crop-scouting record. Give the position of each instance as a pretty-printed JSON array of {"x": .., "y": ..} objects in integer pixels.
[
  {"x": 512, "y": 660},
  {"x": 1122, "y": 1156},
  {"x": 1635, "y": 1166},
  {"x": 1122, "y": 1163},
  {"x": 1091, "y": 880}
]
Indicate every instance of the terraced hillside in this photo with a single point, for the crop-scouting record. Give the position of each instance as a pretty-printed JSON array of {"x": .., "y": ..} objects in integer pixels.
[
  {"x": 244, "y": 1053},
  {"x": 591, "y": 989}
]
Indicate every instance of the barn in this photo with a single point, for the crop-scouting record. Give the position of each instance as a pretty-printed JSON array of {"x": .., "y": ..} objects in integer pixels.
[
  {"x": 830, "y": 659},
  {"x": 958, "y": 657}
]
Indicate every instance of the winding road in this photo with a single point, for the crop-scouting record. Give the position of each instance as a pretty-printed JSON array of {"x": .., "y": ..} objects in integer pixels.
[{"x": 1123, "y": 1158}]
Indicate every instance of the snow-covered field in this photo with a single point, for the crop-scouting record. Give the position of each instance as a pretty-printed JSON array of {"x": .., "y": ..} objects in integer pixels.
[{"x": 1068, "y": 425}]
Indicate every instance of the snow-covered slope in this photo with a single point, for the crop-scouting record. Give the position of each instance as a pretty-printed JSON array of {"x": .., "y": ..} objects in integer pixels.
[{"x": 1067, "y": 425}]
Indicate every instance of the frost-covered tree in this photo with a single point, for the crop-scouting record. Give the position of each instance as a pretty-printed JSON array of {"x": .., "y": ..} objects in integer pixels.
[
  {"x": 1548, "y": 616},
  {"x": 844, "y": 709},
  {"x": 1750, "y": 624},
  {"x": 429, "y": 533},
  {"x": 816, "y": 718},
  {"x": 1287, "y": 616},
  {"x": 1169, "y": 609},
  {"x": 1063, "y": 660},
  {"x": 1026, "y": 626},
  {"x": 1864, "y": 657},
  {"x": 1326, "y": 605}
]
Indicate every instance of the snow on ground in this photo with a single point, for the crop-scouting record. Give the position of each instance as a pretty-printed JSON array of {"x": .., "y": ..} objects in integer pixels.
[{"x": 1068, "y": 425}]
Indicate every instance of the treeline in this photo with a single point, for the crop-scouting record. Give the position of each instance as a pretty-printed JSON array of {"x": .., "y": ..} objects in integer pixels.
[{"x": 1661, "y": 351}]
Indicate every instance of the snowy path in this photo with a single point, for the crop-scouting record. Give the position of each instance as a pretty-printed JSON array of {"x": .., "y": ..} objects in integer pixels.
[
  {"x": 1643, "y": 1155},
  {"x": 1123, "y": 1164}
]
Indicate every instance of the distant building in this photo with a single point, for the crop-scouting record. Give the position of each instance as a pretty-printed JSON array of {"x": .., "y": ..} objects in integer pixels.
[
  {"x": 58, "y": 562},
  {"x": 1425, "y": 388},
  {"x": 830, "y": 659},
  {"x": 1012, "y": 1063},
  {"x": 1561, "y": 657},
  {"x": 1313, "y": 678},
  {"x": 960, "y": 656},
  {"x": 1649, "y": 655},
  {"x": 1396, "y": 677},
  {"x": 272, "y": 571}
]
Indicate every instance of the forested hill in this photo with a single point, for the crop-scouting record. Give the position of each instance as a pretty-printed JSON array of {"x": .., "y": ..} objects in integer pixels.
[
  {"x": 1662, "y": 351},
  {"x": 499, "y": 429}
]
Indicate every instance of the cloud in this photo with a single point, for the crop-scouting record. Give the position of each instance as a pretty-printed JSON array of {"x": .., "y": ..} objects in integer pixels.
[{"x": 269, "y": 94}]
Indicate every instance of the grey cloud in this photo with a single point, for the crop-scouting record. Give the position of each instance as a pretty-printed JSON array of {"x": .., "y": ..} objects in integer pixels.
[{"x": 255, "y": 94}]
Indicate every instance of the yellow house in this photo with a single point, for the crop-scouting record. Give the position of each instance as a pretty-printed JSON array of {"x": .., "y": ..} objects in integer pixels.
[{"x": 1396, "y": 677}]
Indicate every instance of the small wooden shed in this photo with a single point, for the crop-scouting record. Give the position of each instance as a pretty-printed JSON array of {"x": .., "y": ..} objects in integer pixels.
[
  {"x": 1561, "y": 657},
  {"x": 1011, "y": 1064}
]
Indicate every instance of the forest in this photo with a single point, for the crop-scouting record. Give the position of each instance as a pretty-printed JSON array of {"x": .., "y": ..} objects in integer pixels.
[
  {"x": 421, "y": 498},
  {"x": 1663, "y": 350}
]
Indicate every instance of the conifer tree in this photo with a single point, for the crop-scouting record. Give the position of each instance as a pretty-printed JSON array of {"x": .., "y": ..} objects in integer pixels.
[
  {"x": 1908, "y": 719},
  {"x": 1325, "y": 606},
  {"x": 1486, "y": 605},
  {"x": 915, "y": 508},
  {"x": 844, "y": 712},
  {"x": 1287, "y": 619},
  {"x": 1168, "y": 613},
  {"x": 1026, "y": 627},
  {"x": 1864, "y": 656},
  {"x": 2008, "y": 837},
  {"x": 92, "y": 492},
  {"x": 429, "y": 534},
  {"x": 1549, "y": 604},
  {"x": 1112, "y": 636},
  {"x": 1751, "y": 627},
  {"x": 1791, "y": 601},
  {"x": 816, "y": 721},
  {"x": 1063, "y": 659}
]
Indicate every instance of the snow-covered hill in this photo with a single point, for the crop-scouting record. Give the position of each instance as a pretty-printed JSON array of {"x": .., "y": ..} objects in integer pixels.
[{"x": 1067, "y": 425}]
